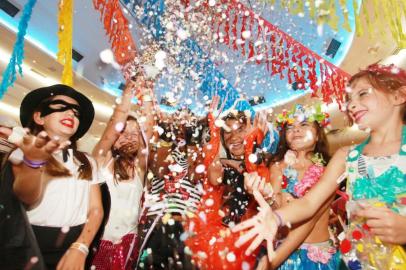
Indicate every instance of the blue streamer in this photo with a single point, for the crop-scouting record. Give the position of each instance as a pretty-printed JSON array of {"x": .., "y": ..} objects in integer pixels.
[
  {"x": 212, "y": 80},
  {"x": 16, "y": 60}
]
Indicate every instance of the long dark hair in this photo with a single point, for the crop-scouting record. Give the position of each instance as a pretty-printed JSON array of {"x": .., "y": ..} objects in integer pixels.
[
  {"x": 239, "y": 116},
  {"x": 54, "y": 167},
  {"x": 320, "y": 148},
  {"x": 124, "y": 160}
]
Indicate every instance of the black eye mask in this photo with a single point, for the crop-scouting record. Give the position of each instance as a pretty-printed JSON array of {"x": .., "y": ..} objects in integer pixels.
[{"x": 47, "y": 109}]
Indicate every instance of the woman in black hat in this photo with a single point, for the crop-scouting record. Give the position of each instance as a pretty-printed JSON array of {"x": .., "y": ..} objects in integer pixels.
[{"x": 54, "y": 180}]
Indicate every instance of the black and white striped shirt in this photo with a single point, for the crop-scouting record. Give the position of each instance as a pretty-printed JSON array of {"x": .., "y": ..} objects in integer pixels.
[{"x": 175, "y": 193}]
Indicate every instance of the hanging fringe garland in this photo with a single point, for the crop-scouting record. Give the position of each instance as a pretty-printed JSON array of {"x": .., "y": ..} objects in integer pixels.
[
  {"x": 17, "y": 56},
  {"x": 283, "y": 55},
  {"x": 378, "y": 15},
  {"x": 64, "y": 55},
  {"x": 116, "y": 26},
  {"x": 191, "y": 56}
]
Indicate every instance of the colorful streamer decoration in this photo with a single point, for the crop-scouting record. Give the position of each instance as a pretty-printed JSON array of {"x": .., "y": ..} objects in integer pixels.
[
  {"x": 117, "y": 28},
  {"x": 191, "y": 56},
  {"x": 283, "y": 55},
  {"x": 379, "y": 16},
  {"x": 64, "y": 55},
  {"x": 17, "y": 56}
]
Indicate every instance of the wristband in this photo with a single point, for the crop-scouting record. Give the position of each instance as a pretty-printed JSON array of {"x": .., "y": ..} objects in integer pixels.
[
  {"x": 34, "y": 164},
  {"x": 81, "y": 247}
]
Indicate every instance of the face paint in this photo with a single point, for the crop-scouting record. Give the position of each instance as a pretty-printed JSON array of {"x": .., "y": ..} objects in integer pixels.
[{"x": 59, "y": 106}]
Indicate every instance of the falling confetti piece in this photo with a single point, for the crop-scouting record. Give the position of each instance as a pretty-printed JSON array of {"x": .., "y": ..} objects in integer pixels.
[
  {"x": 200, "y": 168},
  {"x": 119, "y": 127},
  {"x": 209, "y": 202},
  {"x": 231, "y": 257},
  {"x": 107, "y": 56},
  {"x": 252, "y": 158},
  {"x": 65, "y": 229}
]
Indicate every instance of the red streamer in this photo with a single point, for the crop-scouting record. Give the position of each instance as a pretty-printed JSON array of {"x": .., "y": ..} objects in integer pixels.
[
  {"x": 284, "y": 50},
  {"x": 116, "y": 26}
]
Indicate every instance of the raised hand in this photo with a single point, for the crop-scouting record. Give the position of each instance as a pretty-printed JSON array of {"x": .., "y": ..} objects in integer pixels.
[
  {"x": 253, "y": 181},
  {"x": 262, "y": 226},
  {"x": 40, "y": 147}
]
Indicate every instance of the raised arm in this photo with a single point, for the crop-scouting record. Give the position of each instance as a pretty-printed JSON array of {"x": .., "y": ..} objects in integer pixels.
[
  {"x": 265, "y": 224},
  {"x": 276, "y": 182},
  {"x": 307, "y": 206},
  {"x": 30, "y": 175},
  {"x": 148, "y": 111},
  {"x": 117, "y": 121},
  {"x": 297, "y": 236}
]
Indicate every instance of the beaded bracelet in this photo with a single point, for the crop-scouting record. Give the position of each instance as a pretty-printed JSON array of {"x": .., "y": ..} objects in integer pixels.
[
  {"x": 81, "y": 247},
  {"x": 34, "y": 164}
]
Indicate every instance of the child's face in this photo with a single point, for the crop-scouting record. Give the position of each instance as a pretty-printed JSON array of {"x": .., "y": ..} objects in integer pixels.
[
  {"x": 368, "y": 107},
  {"x": 234, "y": 138},
  {"x": 64, "y": 121},
  {"x": 129, "y": 139},
  {"x": 301, "y": 136}
]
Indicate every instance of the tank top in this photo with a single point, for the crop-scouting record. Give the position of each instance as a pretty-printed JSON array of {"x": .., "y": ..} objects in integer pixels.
[{"x": 125, "y": 205}]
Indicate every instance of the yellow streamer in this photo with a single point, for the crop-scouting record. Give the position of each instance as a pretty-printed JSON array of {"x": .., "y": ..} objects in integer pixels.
[
  {"x": 333, "y": 20},
  {"x": 312, "y": 10},
  {"x": 64, "y": 55},
  {"x": 344, "y": 10},
  {"x": 367, "y": 19},
  {"x": 358, "y": 25},
  {"x": 387, "y": 15}
]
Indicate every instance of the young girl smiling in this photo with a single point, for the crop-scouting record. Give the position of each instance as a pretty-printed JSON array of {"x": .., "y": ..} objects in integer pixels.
[{"x": 376, "y": 176}]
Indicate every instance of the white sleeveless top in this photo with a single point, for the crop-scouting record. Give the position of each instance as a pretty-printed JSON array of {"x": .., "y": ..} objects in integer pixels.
[
  {"x": 65, "y": 200},
  {"x": 125, "y": 205}
]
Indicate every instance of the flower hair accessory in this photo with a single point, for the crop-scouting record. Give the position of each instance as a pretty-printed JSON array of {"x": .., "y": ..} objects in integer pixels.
[
  {"x": 393, "y": 65},
  {"x": 303, "y": 113},
  {"x": 391, "y": 70}
]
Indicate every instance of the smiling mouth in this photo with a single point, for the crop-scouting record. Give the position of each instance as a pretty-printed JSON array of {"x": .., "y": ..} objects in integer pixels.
[
  {"x": 235, "y": 145},
  {"x": 358, "y": 115},
  {"x": 67, "y": 123}
]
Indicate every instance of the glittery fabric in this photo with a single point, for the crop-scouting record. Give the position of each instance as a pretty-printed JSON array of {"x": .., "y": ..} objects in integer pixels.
[{"x": 114, "y": 256}]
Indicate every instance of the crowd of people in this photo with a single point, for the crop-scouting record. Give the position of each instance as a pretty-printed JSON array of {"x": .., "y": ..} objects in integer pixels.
[{"x": 228, "y": 190}]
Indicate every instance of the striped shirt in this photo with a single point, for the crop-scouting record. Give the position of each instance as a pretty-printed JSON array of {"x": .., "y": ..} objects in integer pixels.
[{"x": 174, "y": 193}]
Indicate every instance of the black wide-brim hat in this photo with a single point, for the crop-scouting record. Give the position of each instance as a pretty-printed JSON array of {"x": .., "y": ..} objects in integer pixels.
[{"x": 34, "y": 99}]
